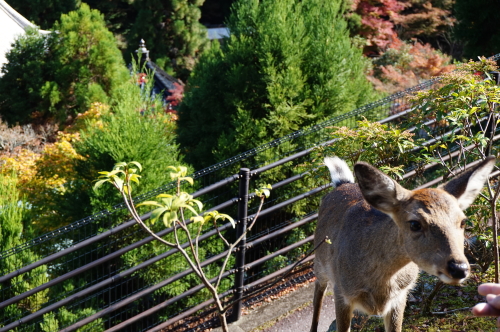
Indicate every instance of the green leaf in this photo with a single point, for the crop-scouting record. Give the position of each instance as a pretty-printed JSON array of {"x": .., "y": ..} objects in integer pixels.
[
  {"x": 199, "y": 219},
  {"x": 164, "y": 196},
  {"x": 156, "y": 214},
  {"x": 99, "y": 183},
  {"x": 188, "y": 179},
  {"x": 228, "y": 217},
  {"x": 169, "y": 218},
  {"x": 118, "y": 182},
  {"x": 154, "y": 203},
  {"x": 120, "y": 164},
  {"x": 137, "y": 164},
  {"x": 134, "y": 178},
  {"x": 197, "y": 202},
  {"x": 190, "y": 208},
  {"x": 264, "y": 190}
]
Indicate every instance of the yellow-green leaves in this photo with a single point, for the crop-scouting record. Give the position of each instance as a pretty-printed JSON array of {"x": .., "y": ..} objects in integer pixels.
[
  {"x": 212, "y": 216},
  {"x": 168, "y": 207},
  {"x": 263, "y": 190},
  {"x": 179, "y": 173},
  {"x": 121, "y": 176}
]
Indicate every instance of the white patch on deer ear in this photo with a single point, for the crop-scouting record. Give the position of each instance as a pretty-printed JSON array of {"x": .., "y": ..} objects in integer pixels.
[
  {"x": 474, "y": 186},
  {"x": 385, "y": 185}
]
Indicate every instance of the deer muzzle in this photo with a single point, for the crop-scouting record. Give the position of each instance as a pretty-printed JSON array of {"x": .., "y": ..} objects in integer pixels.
[{"x": 458, "y": 270}]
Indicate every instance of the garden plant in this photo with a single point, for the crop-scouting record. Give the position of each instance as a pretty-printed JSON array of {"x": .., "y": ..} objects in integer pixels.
[{"x": 173, "y": 210}]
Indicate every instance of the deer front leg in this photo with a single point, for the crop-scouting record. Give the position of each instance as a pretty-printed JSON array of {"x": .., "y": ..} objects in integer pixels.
[
  {"x": 393, "y": 320},
  {"x": 343, "y": 313},
  {"x": 319, "y": 294}
]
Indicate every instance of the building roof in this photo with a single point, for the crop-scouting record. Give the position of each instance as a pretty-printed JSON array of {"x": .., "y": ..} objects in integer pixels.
[
  {"x": 12, "y": 24},
  {"x": 162, "y": 79}
]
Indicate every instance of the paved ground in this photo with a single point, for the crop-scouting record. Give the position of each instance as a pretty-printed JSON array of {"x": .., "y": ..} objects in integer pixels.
[{"x": 290, "y": 313}]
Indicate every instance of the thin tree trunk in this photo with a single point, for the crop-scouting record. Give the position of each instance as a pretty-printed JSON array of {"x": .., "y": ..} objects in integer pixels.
[
  {"x": 495, "y": 236},
  {"x": 223, "y": 321}
]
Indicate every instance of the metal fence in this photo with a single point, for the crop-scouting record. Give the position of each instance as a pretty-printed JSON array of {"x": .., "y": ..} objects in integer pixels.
[{"x": 91, "y": 276}]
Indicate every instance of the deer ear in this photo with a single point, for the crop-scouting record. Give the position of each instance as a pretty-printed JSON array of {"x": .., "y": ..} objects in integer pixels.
[
  {"x": 469, "y": 184},
  {"x": 379, "y": 190}
]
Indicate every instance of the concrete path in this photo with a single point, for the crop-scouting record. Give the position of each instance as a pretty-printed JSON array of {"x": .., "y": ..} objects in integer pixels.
[{"x": 290, "y": 313}]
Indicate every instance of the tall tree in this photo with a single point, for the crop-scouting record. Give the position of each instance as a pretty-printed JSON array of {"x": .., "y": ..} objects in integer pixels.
[
  {"x": 425, "y": 19},
  {"x": 374, "y": 21},
  {"x": 89, "y": 66},
  {"x": 172, "y": 32},
  {"x": 477, "y": 27},
  {"x": 287, "y": 64}
]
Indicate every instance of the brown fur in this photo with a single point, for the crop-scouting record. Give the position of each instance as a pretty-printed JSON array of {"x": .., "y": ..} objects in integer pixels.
[{"x": 375, "y": 257}]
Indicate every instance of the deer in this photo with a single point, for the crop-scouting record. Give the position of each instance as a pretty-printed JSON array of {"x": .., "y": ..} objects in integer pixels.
[{"x": 381, "y": 235}]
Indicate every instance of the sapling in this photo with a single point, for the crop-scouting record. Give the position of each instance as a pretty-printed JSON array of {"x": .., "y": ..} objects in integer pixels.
[{"x": 171, "y": 210}]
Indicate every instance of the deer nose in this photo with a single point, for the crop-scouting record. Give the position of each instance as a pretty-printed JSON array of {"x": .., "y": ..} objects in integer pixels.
[{"x": 458, "y": 270}]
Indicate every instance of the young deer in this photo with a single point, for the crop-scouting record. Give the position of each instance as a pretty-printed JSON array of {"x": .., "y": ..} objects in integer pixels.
[{"x": 382, "y": 234}]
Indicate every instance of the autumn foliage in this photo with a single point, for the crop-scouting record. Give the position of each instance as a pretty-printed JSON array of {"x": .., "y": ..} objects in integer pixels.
[
  {"x": 384, "y": 23},
  {"x": 43, "y": 172},
  {"x": 425, "y": 19},
  {"x": 393, "y": 35},
  {"x": 407, "y": 64},
  {"x": 377, "y": 22}
]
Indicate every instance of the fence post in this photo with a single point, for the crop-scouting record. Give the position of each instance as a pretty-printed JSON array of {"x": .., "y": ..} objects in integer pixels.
[
  {"x": 239, "y": 278},
  {"x": 492, "y": 121}
]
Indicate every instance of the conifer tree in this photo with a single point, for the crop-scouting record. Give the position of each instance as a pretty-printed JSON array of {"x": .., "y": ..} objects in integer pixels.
[
  {"x": 172, "y": 32},
  {"x": 89, "y": 66},
  {"x": 23, "y": 76},
  {"x": 287, "y": 64}
]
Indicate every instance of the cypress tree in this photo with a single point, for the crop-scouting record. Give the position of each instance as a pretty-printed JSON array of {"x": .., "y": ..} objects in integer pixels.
[
  {"x": 172, "y": 32},
  {"x": 90, "y": 67},
  {"x": 287, "y": 64}
]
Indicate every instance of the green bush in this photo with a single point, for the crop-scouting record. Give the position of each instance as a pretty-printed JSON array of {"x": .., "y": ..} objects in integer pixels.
[
  {"x": 59, "y": 75},
  {"x": 287, "y": 65}
]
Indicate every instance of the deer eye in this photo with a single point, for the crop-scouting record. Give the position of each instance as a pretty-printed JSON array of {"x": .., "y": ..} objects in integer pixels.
[{"x": 415, "y": 226}]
